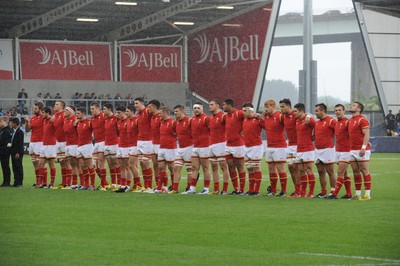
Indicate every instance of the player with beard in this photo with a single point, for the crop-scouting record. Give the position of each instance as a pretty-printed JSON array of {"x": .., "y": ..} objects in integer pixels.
[
  {"x": 58, "y": 123},
  {"x": 289, "y": 123},
  {"x": 111, "y": 140},
  {"x": 97, "y": 122},
  {"x": 218, "y": 147},
  {"x": 123, "y": 149},
  {"x": 360, "y": 150},
  {"x": 276, "y": 148},
  {"x": 144, "y": 143},
  {"x": 153, "y": 107},
  {"x": 184, "y": 151},
  {"x": 199, "y": 128},
  {"x": 35, "y": 125},
  {"x": 252, "y": 127},
  {"x": 235, "y": 145},
  {"x": 324, "y": 132},
  {"x": 71, "y": 149},
  {"x": 342, "y": 153},
  {"x": 305, "y": 154}
]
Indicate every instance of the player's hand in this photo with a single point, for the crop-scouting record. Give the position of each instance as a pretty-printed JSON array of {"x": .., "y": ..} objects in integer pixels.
[
  {"x": 307, "y": 120},
  {"x": 52, "y": 118},
  {"x": 258, "y": 116},
  {"x": 76, "y": 122},
  {"x": 362, "y": 152},
  {"x": 17, "y": 156},
  {"x": 26, "y": 118}
]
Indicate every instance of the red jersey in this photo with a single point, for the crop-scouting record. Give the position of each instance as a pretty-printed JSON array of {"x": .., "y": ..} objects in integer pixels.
[
  {"x": 217, "y": 128},
  {"x": 342, "y": 135},
  {"x": 133, "y": 131},
  {"x": 155, "y": 128},
  {"x": 36, "y": 124},
  {"x": 70, "y": 132},
  {"x": 252, "y": 128},
  {"x": 324, "y": 132},
  {"x": 356, "y": 125},
  {"x": 304, "y": 134},
  {"x": 111, "y": 130},
  {"x": 59, "y": 126},
  {"x": 289, "y": 122},
  {"x": 98, "y": 127},
  {"x": 273, "y": 125},
  {"x": 124, "y": 141},
  {"x": 144, "y": 125},
  {"x": 183, "y": 132},
  {"x": 200, "y": 131},
  {"x": 49, "y": 132},
  {"x": 234, "y": 128},
  {"x": 168, "y": 134},
  {"x": 85, "y": 132}
]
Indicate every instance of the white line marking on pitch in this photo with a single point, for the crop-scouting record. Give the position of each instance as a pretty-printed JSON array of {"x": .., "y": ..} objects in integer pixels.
[{"x": 351, "y": 257}]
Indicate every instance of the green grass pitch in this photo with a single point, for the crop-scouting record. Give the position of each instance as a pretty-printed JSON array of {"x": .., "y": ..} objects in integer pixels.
[{"x": 62, "y": 227}]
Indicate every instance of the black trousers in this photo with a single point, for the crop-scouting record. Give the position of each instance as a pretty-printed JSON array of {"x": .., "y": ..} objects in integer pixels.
[
  {"x": 5, "y": 167},
  {"x": 17, "y": 169}
]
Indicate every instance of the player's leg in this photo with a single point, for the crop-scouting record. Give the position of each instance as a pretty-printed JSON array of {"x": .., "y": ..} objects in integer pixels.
[
  {"x": 205, "y": 165},
  {"x": 311, "y": 178},
  {"x": 364, "y": 168},
  {"x": 280, "y": 167},
  {"x": 330, "y": 169},
  {"x": 225, "y": 174},
  {"x": 239, "y": 163},
  {"x": 322, "y": 179},
  {"x": 134, "y": 167},
  {"x": 273, "y": 178},
  {"x": 215, "y": 175},
  {"x": 195, "y": 171}
]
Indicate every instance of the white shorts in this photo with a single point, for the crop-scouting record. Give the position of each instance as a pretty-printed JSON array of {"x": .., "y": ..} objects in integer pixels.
[
  {"x": 203, "y": 153},
  {"x": 71, "y": 151},
  {"x": 355, "y": 156},
  {"x": 275, "y": 155},
  {"x": 254, "y": 152},
  {"x": 144, "y": 147},
  {"x": 48, "y": 151},
  {"x": 325, "y": 156},
  {"x": 85, "y": 151},
  {"x": 184, "y": 154},
  {"x": 133, "y": 151},
  {"x": 291, "y": 151},
  {"x": 61, "y": 147},
  {"x": 98, "y": 147},
  {"x": 218, "y": 151},
  {"x": 35, "y": 147},
  {"x": 342, "y": 157},
  {"x": 237, "y": 152},
  {"x": 156, "y": 148},
  {"x": 168, "y": 155},
  {"x": 110, "y": 150},
  {"x": 305, "y": 157},
  {"x": 123, "y": 152}
]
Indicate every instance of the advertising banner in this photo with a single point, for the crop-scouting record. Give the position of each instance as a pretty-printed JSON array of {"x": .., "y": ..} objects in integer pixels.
[
  {"x": 65, "y": 60},
  {"x": 6, "y": 60},
  {"x": 151, "y": 63},
  {"x": 224, "y": 59}
]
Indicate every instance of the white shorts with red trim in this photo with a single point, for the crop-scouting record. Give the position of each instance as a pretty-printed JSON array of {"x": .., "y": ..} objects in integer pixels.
[
  {"x": 305, "y": 157},
  {"x": 254, "y": 152},
  {"x": 342, "y": 157},
  {"x": 184, "y": 154},
  {"x": 144, "y": 147},
  {"x": 123, "y": 152},
  {"x": 218, "y": 151},
  {"x": 237, "y": 152},
  {"x": 355, "y": 156},
  {"x": 35, "y": 147},
  {"x": 48, "y": 151},
  {"x": 133, "y": 151},
  {"x": 325, "y": 156},
  {"x": 275, "y": 155},
  {"x": 110, "y": 150},
  {"x": 203, "y": 153},
  {"x": 85, "y": 151},
  {"x": 98, "y": 147},
  {"x": 61, "y": 147},
  {"x": 168, "y": 155},
  {"x": 71, "y": 151}
]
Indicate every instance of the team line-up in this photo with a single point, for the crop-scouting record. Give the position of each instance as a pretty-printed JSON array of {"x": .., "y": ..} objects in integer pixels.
[{"x": 228, "y": 142}]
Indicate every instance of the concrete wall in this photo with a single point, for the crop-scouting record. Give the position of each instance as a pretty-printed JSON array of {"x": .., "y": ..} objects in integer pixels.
[{"x": 168, "y": 93}]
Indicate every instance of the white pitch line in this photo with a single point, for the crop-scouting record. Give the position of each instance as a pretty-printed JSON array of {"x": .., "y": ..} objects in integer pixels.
[
  {"x": 351, "y": 257},
  {"x": 385, "y": 159}
]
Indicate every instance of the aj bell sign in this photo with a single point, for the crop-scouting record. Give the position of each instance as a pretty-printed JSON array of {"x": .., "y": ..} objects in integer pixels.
[
  {"x": 65, "y": 61},
  {"x": 151, "y": 63}
]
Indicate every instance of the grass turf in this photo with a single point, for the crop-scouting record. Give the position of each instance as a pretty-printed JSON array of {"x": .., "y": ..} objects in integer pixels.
[{"x": 59, "y": 227}]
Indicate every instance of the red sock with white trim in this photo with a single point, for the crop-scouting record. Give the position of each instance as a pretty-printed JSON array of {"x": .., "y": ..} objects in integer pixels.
[
  {"x": 242, "y": 181},
  {"x": 311, "y": 183},
  {"x": 52, "y": 176},
  {"x": 273, "y": 179},
  {"x": 338, "y": 185},
  {"x": 283, "y": 181},
  {"x": 347, "y": 185},
  {"x": 235, "y": 180},
  {"x": 303, "y": 185}
]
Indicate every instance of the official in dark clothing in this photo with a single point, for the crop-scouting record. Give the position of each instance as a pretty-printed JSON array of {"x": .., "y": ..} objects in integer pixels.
[
  {"x": 17, "y": 152},
  {"x": 5, "y": 141}
]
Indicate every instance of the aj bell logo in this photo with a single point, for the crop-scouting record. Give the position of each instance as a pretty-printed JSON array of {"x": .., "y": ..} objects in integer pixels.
[
  {"x": 227, "y": 49},
  {"x": 151, "y": 60},
  {"x": 65, "y": 58}
]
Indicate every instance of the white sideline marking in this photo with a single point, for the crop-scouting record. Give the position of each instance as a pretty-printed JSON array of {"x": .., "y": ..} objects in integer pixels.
[
  {"x": 351, "y": 257},
  {"x": 385, "y": 159}
]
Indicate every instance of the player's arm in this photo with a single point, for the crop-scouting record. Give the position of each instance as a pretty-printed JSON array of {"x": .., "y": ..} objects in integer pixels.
[
  {"x": 332, "y": 124},
  {"x": 28, "y": 127},
  {"x": 366, "y": 133}
]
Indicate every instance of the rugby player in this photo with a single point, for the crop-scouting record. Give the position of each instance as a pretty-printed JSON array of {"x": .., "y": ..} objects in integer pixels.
[
  {"x": 360, "y": 150},
  {"x": 133, "y": 157},
  {"x": 71, "y": 149},
  {"x": 58, "y": 123},
  {"x": 153, "y": 107}
]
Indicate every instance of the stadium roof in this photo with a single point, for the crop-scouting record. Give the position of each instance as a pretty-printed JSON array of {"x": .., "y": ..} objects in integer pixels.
[
  {"x": 389, "y": 7},
  {"x": 57, "y": 19}
]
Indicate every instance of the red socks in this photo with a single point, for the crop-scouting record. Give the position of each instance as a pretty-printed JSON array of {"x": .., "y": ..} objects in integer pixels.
[
  {"x": 311, "y": 183},
  {"x": 273, "y": 178},
  {"x": 242, "y": 180},
  {"x": 234, "y": 179},
  {"x": 283, "y": 181}
]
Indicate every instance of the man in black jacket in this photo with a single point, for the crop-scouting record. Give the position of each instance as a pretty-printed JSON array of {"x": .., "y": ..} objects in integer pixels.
[
  {"x": 5, "y": 141},
  {"x": 17, "y": 152}
]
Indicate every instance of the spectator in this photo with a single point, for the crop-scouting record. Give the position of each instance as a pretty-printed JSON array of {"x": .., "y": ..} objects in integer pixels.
[
  {"x": 47, "y": 99},
  {"x": 75, "y": 98},
  {"x": 5, "y": 142},
  {"x": 21, "y": 103},
  {"x": 58, "y": 96},
  {"x": 390, "y": 120},
  {"x": 39, "y": 97},
  {"x": 129, "y": 98},
  {"x": 398, "y": 118}
]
